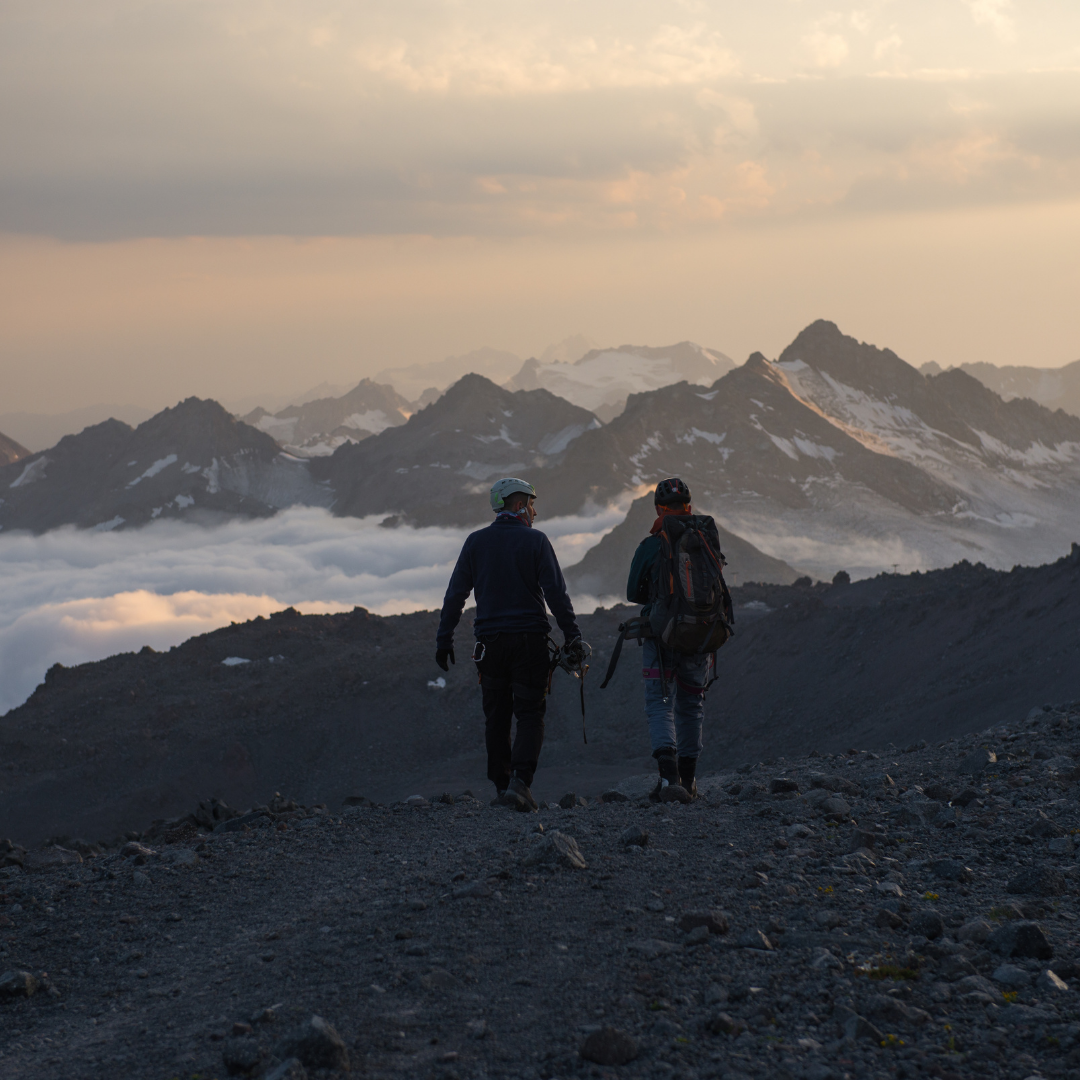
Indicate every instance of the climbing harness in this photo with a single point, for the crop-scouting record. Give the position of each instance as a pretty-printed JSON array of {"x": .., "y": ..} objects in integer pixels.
[{"x": 576, "y": 667}]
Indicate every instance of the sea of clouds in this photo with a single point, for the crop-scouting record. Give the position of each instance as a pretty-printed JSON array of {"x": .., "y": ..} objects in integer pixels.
[{"x": 71, "y": 596}]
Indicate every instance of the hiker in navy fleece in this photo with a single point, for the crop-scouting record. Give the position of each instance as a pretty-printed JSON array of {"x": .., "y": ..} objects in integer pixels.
[{"x": 512, "y": 569}]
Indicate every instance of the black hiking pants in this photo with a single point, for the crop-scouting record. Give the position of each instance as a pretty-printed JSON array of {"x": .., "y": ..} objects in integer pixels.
[{"x": 513, "y": 682}]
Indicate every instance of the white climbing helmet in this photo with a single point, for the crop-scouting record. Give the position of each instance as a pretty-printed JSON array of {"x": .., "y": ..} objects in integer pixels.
[{"x": 509, "y": 485}]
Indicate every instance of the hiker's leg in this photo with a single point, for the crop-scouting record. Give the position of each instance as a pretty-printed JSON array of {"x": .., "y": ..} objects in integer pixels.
[
  {"x": 498, "y": 702},
  {"x": 660, "y": 713},
  {"x": 691, "y": 679},
  {"x": 529, "y": 675}
]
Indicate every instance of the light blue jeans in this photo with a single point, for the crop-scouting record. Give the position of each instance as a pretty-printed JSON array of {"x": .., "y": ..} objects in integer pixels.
[{"x": 676, "y": 722}]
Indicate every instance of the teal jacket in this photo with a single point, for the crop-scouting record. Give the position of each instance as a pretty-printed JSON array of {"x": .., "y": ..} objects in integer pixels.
[{"x": 642, "y": 569}]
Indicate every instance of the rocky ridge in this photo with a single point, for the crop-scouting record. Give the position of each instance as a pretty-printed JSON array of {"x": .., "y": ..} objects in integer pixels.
[
  {"x": 318, "y": 427},
  {"x": 907, "y": 913},
  {"x": 194, "y": 461},
  {"x": 10, "y": 450},
  {"x": 319, "y": 705}
]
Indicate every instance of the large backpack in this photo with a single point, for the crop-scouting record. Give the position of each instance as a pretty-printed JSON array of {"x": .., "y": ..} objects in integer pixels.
[{"x": 691, "y": 606}]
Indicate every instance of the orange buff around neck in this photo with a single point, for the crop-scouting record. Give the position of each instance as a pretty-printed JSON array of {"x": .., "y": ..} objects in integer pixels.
[{"x": 663, "y": 511}]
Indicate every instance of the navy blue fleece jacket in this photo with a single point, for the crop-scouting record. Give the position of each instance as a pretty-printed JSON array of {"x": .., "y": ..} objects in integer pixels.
[{"x": 512, "y": 569}]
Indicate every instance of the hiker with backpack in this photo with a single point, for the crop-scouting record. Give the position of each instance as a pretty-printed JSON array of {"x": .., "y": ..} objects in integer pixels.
[{"x": 677, "y": 573}]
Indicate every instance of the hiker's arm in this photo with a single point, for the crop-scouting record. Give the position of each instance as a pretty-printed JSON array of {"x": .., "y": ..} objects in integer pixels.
[
  {"x": 553, "y": 584},
  {"x": 637, "y": 585},
  {"x": 457, "y": 592}
]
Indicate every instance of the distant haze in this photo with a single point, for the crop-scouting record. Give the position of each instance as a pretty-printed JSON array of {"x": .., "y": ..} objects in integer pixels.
[{"x": 232, "y": 199}]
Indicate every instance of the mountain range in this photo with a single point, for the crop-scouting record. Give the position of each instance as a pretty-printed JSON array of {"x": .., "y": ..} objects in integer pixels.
[
  {"x": 838, "y": 454},
  {"x": 603, "y": 379},
  {"x": 194, "y": 460},
  {"x": 319, "y": 427},
  {"x": 1056, "y": 388}
]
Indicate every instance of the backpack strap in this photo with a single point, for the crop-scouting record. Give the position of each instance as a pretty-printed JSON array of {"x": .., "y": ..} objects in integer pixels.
[{"x": 638, "y": 628}]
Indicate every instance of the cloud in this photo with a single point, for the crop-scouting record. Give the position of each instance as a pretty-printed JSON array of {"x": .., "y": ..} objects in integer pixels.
[
  {"x": 72, "y": 596},
  {"x": 826, "y": 50},
  {"x": 317, "y": 119},
  {"x": 992, "y": 13}
]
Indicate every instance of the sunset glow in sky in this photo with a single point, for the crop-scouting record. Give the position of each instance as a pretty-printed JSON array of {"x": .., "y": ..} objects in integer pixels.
[{"x": 217, "y": 196}]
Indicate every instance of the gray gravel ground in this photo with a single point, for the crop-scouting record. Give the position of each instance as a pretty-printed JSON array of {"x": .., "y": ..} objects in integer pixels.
[{"x": 453, "y": 940}]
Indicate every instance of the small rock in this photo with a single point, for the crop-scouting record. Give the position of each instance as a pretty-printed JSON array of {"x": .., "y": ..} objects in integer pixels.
[
  {"x": 825, "y": 958},
  {"x": 356, "y": 800},
  {"x": 139, "y": 878},
  {"x": 570, "y": 800},
  {"x": 1020, "y": 938},
  {"x": 614, "y": 796},
  {"x": 976, "y": 761},
  {"x": 834, "y": 809},
  {"x": 290, "y": 1069},
  {"x": 609, "y": 1046},
  {"x": 781, "y": 784},
  {"x": 861, "y": 838},
  {"x": 722, "y": 1023},
  {"x": 241, "y": 1027},
  {"x": 888, "y": 888},
  {"x": 635, "y": 835},
  {"x": 858, "y": 1028},
  {"x": 1026, "y": 1016},
  {"x": 1013, "y": 977},
  {"x": 951, "y": 870},
  {"x": 827, "y": 920},
  {"x": 1060, "y": 845},
  {"x": 753, "y": 939},
  {"x": 478, "y": 1029},
  {"x": 1038, "y": 881},
  {"x": 416, "y": 800},
  {"x": 556, "y": 849},
  {"x": 651, "y": 948},
  {"x": 798, "y": 831},
  {"x": 715, "y": 921},
  {"x": 698, "y": 936},
  {"x": 1049, "y": 982},
  {"x": 929, "y": 923},
  {"x": 50, "y": 858},
  {"x": 976, "y": 930},
  {"x": 18, "y": 984},
  {"x": 317, "y": 1045},
  {"x": 938, "y": 792},
  {"x": 888, "y": 920},
  {"x": 477, "y": 889},
  {"x": 438, "y": 979},
  {"x": 956, "y": 967},
  {"x": 966, "y": 797},
  {"x": 242, "y": 1056}
]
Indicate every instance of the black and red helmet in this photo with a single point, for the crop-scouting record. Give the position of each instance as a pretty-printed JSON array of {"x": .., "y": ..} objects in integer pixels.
[{"x": 672, "y": 490}]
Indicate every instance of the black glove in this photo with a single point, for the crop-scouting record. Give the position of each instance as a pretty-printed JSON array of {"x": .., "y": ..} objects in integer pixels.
[
  {"x": 574, "y": 652},
  {"x": 442, "y": 655}
]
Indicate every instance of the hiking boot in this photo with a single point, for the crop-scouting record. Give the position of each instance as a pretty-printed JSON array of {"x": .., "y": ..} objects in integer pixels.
[
  {"x": 687, "y": 769},
  {"x": 519, "y": 791},
  {"x": 500, "y": 798}
]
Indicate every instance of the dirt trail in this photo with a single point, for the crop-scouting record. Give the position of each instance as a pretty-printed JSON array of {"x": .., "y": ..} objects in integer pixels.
[{"x": 906, "y": 915}]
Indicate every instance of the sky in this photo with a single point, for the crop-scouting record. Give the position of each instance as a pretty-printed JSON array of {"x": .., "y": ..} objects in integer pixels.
[{"x": 217, "y": 196}]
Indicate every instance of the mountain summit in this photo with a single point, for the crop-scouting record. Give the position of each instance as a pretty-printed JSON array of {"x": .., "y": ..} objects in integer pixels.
[
  {"x": 438, "y": 467},
  {"x": 10, "y": 450},
  {"x": 193, "y": 460}
]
